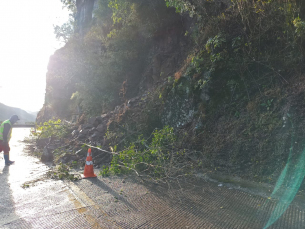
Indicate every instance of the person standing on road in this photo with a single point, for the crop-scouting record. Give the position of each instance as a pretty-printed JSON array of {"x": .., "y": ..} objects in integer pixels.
[{"x": 5, "y": 136}]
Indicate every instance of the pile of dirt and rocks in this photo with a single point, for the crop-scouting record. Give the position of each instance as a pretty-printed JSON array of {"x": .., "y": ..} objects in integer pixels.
[{"x": 86, "y": 132}]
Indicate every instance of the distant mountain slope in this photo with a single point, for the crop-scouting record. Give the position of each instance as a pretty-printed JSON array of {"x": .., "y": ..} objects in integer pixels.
[
  {"x": 6, "y": 112},
  {"x": 33, "y": 112}
]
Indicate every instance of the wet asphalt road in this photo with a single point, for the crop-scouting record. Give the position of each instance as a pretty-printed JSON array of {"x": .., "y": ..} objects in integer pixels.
[
  {"x": 45, "y": 204},
  {"x": 125, "y": 202}
]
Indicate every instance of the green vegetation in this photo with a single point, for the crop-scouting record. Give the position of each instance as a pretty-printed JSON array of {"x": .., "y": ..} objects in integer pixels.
[
  {"x": 159, "y": 157},
  {"x": 98, "y": 58},
  {"x": 52, "y": 128},
  {"x": 61, "y": 172},
  {"x": 254, "y": 44},
  {"x": 215, "y": 81}
]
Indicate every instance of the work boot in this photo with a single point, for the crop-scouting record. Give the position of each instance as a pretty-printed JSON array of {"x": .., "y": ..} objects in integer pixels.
[{"x": 7, "y": 160}]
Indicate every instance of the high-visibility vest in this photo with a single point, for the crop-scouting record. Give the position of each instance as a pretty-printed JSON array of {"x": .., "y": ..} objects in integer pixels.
[{"x": 2, "y": 129}]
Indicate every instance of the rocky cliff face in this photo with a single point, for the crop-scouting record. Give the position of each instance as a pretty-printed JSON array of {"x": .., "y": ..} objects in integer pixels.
[
  {"x": 228, "y": 89},
  {"x": 84, "y": 14},
  {"x": 74, "y": 67}
]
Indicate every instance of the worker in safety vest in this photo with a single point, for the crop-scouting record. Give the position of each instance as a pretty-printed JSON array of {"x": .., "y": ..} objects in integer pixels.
[{"x": 5, "y": 136}]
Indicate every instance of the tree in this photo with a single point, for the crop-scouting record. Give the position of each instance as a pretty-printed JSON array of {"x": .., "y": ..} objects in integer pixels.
[
  {"x": 70, "y": 4},
  {"x": 64, "y": 31}
]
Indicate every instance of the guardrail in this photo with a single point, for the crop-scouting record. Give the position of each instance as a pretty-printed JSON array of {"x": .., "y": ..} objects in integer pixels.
[
  {"x": 23, "y": 125},
  {"x": 26, "y": 124}
]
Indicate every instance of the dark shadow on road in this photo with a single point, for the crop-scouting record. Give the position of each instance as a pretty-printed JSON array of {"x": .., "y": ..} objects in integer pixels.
[
  {"x": 195, "y": 196},
  {"x": 8, "y": 217},
  {"x": 105, "y": 187}
]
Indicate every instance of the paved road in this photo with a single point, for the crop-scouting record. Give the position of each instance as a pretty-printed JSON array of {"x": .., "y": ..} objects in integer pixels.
[{"x": 126, "y": 202}]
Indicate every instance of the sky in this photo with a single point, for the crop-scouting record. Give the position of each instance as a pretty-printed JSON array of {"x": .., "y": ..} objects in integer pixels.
[{"x": 27, "y": 40}]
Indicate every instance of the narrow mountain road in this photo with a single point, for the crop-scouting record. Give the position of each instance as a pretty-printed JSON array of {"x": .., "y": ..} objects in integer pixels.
[{"x": 126, "y": 202}]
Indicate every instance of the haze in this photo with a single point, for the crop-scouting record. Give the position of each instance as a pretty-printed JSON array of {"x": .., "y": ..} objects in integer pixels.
[{"x": 26, "y": 42}]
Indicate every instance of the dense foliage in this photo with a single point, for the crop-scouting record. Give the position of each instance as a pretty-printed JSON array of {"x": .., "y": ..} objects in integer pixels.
[
  {"x": 51, "y": 129},
  {"x": 158, "y": 156}
]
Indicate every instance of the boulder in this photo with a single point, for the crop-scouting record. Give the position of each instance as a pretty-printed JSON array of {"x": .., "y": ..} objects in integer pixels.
[
  {"x": 93, "y": 121},
  {"x": 47, "y": 155},
  {"x": 85, "y": 126},
  {"x": 91, "y": 131},
  {"x": 95, "y": 136},
  {"x": 103, "y": 117},
  {"x": 42, "y": 142},
  {"x": 81, "y": 137},
  {"x": 99, "y": 120},
  {"x": 101, "y": 128}
]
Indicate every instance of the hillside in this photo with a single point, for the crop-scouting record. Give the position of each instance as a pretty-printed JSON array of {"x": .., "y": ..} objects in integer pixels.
[
  {"x": 6, "y": 112},
  {"x": 184, "y": 86}
]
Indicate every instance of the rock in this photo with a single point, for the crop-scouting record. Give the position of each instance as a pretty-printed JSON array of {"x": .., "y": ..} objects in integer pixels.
[
  {"x": 75, "y": 133},
  {"x": 81, "y": 119},
  {"x": 47, "y": 155},
  {"x": 117, "y": 110},
  {"x": 81, "y": 136},
  {"x": 102, "y": 118},
  {"x": 204, "y": 96},
  {"x": 85, "y": 127},
  {"x": 66, "y": 158},
  {"x": 93, "y": 121},
  {"x": 91, "y": 131},
  {"x": 52, "y": 147},
  {"x": 97, "y": 135},
  {"x": 132, "y": 101},
  {"x": 101, "y": 128},
  {"x": 99, "y": 120},
  {"x": 42, "y": 142},
  {"x": 83, "y": 132}
]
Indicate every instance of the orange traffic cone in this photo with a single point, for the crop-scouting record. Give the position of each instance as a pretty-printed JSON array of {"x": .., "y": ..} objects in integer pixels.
[{"x": 88, "y": 172}]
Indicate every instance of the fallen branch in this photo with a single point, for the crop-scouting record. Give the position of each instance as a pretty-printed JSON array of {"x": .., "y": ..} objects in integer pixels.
[{"x": 105, "y": 151}]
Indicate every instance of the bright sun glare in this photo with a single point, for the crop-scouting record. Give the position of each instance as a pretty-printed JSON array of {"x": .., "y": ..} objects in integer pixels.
[{"x": 26, "y": 43}]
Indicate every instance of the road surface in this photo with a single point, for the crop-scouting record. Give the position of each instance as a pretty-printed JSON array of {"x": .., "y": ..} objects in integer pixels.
[{"x": 126, "y": 202}]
